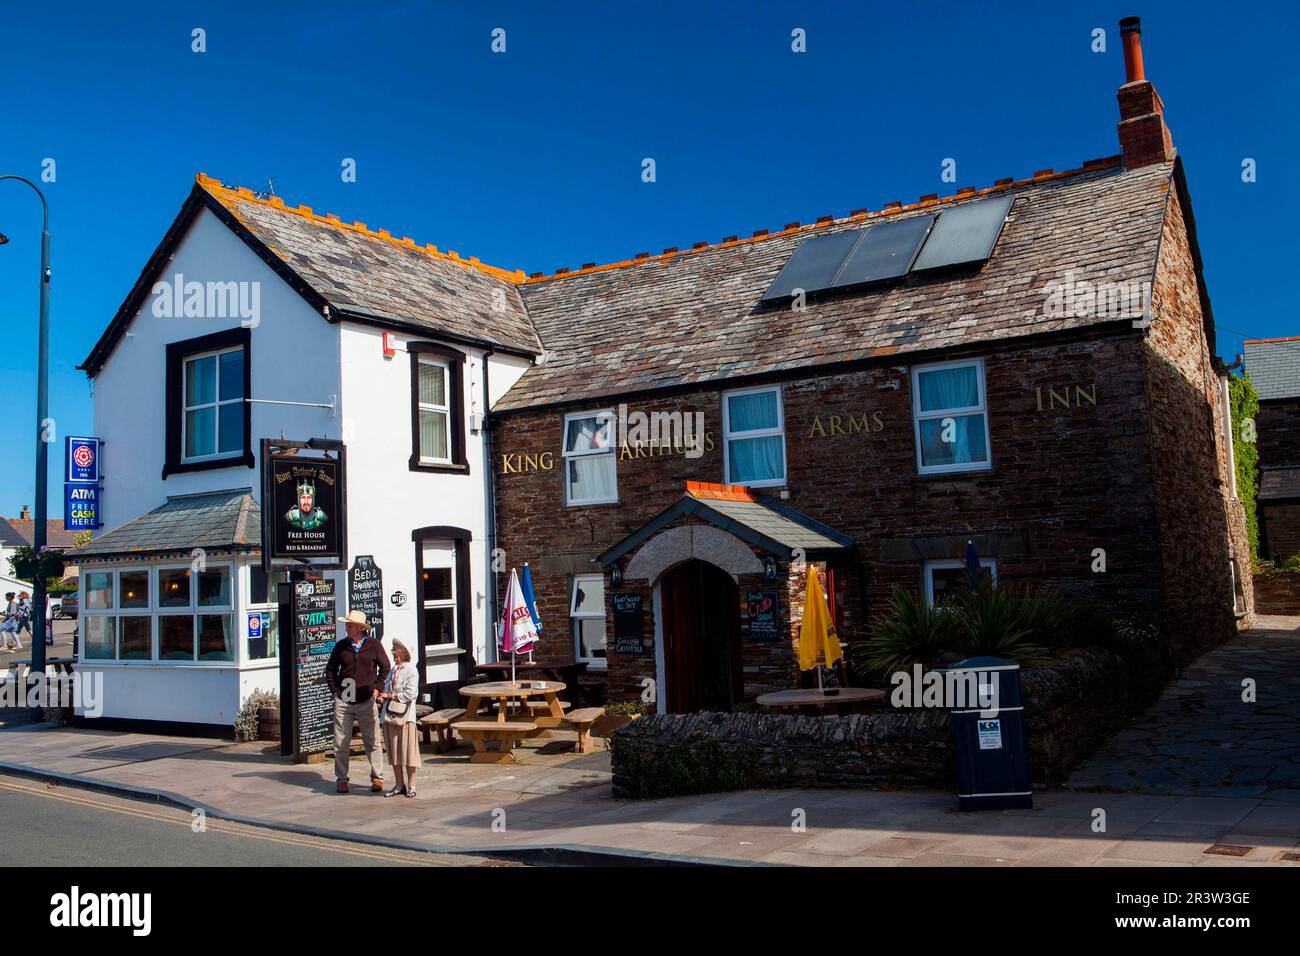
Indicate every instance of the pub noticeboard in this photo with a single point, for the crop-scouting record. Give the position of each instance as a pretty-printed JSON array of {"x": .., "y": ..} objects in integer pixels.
[
  {"x": 366, "y": 592},
  {"x": 314, "y": 610},
  {"x": 629, "y": 623},
  {"x": 304, "y": 510},
  {"x": 764, "y": 610}
]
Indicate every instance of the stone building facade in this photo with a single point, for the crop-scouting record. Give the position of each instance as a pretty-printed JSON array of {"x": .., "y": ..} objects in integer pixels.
[{"x": 1274, "y": 367}]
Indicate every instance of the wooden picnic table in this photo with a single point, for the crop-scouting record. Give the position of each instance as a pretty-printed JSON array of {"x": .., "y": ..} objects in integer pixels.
[
  {"x": 504, "y": 692},
  {"x": 792, "y": 700},
  {"x": 565, "y": 672}
]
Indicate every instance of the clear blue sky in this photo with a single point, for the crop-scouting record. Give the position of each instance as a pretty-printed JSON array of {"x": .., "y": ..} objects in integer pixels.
[{"x": 532, "y": 159}]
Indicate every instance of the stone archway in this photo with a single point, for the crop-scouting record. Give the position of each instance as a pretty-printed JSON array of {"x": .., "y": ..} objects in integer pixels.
[{"x": 686, "y": 542}]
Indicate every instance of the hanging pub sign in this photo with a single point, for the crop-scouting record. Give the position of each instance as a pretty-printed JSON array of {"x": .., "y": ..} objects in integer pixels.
[
  {"x": 309, "y": 728},
  {"x": 764, "y": 611},
  {"x": 366, "y": 592},
  {"x": 304, "y": 507},
  {"x": 82, "y": 460},
  {"x": 629, "y": 623}
]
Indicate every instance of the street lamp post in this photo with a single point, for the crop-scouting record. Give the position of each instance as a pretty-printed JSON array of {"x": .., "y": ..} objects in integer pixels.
[{"x": 43, "y": 436}]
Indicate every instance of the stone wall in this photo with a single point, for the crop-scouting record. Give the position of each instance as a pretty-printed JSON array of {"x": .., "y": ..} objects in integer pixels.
[
  {"x": 1071, "y": 705},
  {"x": 1277, "y": 593}
]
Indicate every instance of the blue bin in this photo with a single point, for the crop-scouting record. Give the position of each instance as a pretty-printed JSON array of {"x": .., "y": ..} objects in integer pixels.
[{"x": 991, "y": 746}]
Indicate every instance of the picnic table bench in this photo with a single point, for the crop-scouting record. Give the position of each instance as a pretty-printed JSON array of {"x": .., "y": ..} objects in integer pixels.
[
  {"x": 505, "y": 732},
  {"x": 439, "y": 722},
  {"x": 582, "y": 719}
]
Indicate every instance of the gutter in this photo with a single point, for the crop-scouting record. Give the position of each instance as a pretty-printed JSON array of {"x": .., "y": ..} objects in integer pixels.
[{"x": 490, "y": 509}]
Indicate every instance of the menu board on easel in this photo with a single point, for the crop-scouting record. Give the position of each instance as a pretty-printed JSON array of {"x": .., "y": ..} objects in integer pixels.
[{"x": 312, "y": 619}]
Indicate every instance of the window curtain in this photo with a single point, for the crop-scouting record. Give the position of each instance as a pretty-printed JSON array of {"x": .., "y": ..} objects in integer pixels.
[
  {"x": 751, "y": 412},
  {"x": 756, "y": 459},
  {"x": 591, "y": 477},
  {"x": 951, "y": 388}
]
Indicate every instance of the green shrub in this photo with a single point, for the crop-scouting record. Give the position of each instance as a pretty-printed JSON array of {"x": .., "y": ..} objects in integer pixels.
[
  {"x": 910, "y": 632},
  {"x": 1243, "y": 400},
  {"x": 628, "y": 708},
  {"x": 1014, "y": 621},
  {"x": 699, "y": 766},
  {"x": 246, "y": 720}
]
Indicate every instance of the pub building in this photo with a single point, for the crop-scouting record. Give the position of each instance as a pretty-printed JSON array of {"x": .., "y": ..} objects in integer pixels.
[{"x": 671, "y": 442}]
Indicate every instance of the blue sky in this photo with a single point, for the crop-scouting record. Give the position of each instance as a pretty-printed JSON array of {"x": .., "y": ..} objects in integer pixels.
[{"x": 532, "y": 159}]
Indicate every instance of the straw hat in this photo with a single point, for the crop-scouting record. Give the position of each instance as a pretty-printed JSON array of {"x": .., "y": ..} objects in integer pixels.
[{"x": 355, "y": 617}]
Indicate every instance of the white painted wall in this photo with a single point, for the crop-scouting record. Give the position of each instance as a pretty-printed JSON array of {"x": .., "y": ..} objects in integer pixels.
[{"x": 296, "y": 355}]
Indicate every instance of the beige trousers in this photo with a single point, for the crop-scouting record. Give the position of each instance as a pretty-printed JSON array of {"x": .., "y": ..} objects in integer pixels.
[{"x": 366, "y": 714}]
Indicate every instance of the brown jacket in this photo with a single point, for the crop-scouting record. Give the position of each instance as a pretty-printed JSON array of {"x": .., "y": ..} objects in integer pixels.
[{"x": 368, "y": 667}]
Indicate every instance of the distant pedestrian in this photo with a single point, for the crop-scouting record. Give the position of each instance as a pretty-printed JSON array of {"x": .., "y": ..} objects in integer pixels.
[
  {"x": 9, "y": 627},
  {"x": 401, "y": 738},
  {"x": 49, "y": 621},
  {"x": 25, "y": 613},
  {"x": 355, "y": 672}
]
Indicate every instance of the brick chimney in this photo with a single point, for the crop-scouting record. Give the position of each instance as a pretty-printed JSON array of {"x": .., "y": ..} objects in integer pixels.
[
  {"x": 26, "y": 513},
  {"x": 1143, "y": 136}
]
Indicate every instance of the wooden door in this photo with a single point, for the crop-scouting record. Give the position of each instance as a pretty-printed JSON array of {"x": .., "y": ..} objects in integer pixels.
[{"x": 701, "y": 628}]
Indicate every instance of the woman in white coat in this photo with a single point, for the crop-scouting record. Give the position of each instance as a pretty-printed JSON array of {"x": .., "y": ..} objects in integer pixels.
[{"x": 401, "y": 737}]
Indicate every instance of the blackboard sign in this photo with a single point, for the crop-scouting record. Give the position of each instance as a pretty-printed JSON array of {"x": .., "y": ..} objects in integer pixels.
[
  {"x": 764, "y": 608},
  {"x": 629, "y": 623},
  {"x": 314, "y": 636},
  {"x": 305, "y": 514},
  {"x": 366, "y": 592}
]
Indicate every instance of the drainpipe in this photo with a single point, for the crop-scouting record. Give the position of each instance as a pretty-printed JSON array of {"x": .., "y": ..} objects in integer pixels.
[{"x": 490, "y": 511}]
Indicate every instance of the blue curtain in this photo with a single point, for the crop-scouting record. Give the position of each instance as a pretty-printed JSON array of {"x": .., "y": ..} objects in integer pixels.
[
  {"x": 949, "y": 388},
  {"x": 754, "y": 459}
]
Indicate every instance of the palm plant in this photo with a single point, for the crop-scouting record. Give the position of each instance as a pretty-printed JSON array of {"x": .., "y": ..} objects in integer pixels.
[
  {"x": 910, "y": 632},
  {"x": 1012, "y": 621}
]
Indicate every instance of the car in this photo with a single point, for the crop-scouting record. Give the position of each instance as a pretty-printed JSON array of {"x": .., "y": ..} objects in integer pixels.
[{"x": 63, "y": 607}]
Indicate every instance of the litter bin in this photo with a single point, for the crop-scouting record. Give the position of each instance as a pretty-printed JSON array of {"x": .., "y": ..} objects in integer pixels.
[{"x": 992, "y": 755}]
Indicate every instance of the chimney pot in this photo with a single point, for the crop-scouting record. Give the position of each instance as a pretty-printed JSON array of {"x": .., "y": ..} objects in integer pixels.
[{"x": 1130, "y": 31}]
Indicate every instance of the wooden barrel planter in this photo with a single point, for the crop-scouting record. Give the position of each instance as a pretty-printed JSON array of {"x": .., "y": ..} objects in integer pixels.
[{"x": 268, "y": 723}]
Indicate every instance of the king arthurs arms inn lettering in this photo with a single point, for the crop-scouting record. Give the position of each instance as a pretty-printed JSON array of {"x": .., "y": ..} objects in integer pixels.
[{"x": 834, "y": 425}]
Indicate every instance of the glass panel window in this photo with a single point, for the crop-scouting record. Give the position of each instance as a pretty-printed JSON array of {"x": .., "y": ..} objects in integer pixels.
[
  {"x": 99, "y": 590},
  {"x": 100, "y": 635},
  {"x": 215, "y": 638},
  {"x": 438, "y": 593},
  {"x": 434, "y": 412},
  {"x": 587, "y": 616},
  {"x": 264, "y": 588},
  {"x": 176, "y": 637},
  {"x": 133, "y": 589},
  {"x": 267, "y": 644},
  {"x": 945, "y": 579},
  {"x": 214, "y": 587},
  {"x": 213, "y": 416},
  {"x": 173, "y": 587},
  {"x": 754, "y": 433},
  {"x": 590, "y": 462},
  {"x": 137, "y": 637},
  {"x": 951, "y": 417}
]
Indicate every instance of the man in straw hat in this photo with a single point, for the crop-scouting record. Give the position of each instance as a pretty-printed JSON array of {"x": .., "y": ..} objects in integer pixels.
[{"x": 357, "y": 669}]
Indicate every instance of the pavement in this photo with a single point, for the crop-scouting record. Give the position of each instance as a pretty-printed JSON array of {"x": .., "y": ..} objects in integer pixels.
[{"x": 554, "y": 805}]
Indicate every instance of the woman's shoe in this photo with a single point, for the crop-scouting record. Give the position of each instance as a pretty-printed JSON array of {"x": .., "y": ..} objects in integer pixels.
[
  {"x": 411, "y": 792},
  {"x": 399, "y": 789}
]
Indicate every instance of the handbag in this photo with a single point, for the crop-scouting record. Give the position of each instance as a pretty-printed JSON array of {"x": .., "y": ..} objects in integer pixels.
[{"x": 395, "y": 711}]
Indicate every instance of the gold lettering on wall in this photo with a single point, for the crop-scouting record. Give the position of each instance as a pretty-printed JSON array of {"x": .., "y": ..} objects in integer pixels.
[
  {"x": 521, "y": 462},
  {"x": 1062, "y": 399},
  {"x": 655, "y": 449},
  {"x": 855, "y": 425}
]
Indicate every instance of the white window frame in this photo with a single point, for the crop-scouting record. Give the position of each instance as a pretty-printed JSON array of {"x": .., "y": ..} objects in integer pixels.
[
  {"x": 608, "y": 415},
  {"x": 947, "y": 564},
  {"x": 271, "y": 603},
  {"x": 439, "y": 546},
  {"x": 918, "y": 416},
  {"x": 215, "y": 355},
  {"x": 576, "y": 615},
  {"x": 420, "y": 406},
  {"x": 779, "y": 430},
  {"x": 155, "y": 611}
]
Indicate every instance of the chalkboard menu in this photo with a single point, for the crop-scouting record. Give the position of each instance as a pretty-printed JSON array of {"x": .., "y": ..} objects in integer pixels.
[
  {"x": 764, "y": 608},
  {"x": 314, "y": 636},
  {"x": 629, "y": 623},
  {"x": 366, "y": 592}
]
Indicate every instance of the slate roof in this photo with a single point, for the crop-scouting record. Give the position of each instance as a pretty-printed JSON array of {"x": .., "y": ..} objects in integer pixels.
[
  {"x": 215, "y": 521},
  {"x": 1279, "y": 484},
  {"x": 22, "y": 531},
  {"x": 355, "y": 268},
  {"x": 693, "y": 316},
  {"x": 759, "y": 521},
  {"x": 1274, "y": 367}
]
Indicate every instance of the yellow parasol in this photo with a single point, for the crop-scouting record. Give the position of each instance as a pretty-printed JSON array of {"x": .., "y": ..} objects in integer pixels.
[{"x": 818, "y": 644}]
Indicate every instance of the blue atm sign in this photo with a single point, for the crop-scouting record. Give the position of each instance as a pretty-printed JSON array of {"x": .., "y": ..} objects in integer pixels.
[{"x": 81, "y": 507}]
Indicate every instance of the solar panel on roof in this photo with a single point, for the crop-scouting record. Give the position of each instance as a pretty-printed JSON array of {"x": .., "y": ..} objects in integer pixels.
[
  {"x": 885, "y": 252},
  {"x": 813, "y": 264},
  {"x": 964, "y": 234}
]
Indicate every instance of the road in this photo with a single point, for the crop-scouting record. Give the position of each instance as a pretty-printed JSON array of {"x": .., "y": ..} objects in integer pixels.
[{"x": 59, "y": 826}]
